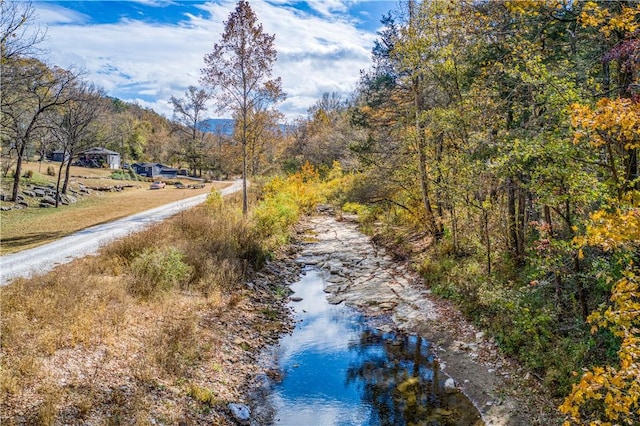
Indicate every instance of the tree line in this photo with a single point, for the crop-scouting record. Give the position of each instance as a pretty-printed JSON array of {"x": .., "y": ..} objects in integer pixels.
[
  {"x": 46, "y": 108},
  {"x": 505, "y": 136},
  {"x": 506, "y": 133}
]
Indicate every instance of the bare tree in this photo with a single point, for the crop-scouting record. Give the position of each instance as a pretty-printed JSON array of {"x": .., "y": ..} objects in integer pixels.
[
  {"x": 17, "y": 38},
  {"x": 188, "y": 115},
  {"x": 73, "y": 125},
  {"x": 35, "y": 89},
  {"x": 239, "y": 73}
]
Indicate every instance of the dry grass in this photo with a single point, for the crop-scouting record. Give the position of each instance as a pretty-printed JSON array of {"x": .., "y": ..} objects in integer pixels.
[
  {"x": 27, "y": 228},
  {"x": 82, "y": 346}
]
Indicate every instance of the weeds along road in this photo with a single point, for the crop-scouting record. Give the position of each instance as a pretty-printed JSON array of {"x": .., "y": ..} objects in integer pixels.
[{"x": 42, "y": 259}]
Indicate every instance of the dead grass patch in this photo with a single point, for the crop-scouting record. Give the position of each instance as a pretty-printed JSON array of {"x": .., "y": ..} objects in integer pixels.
[{"x": 81, "y": 346}]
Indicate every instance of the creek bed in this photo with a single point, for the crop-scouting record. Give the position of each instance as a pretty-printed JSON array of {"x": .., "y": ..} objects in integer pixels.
[{"x": 339, "y": 368}]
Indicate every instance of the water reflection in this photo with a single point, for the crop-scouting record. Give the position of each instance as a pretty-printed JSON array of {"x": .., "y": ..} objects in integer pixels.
[{"x": 336, "y": 370}]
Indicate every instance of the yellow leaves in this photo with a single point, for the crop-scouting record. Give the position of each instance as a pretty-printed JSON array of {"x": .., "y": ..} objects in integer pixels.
[
  {"x": 617, "y": 229},
  {"x": 533, "y": 7},
  {"x": 611, "y": 395},
  {"x": 598, "y": 16},
  {"x": 612, "y": 121},
  {"x": 524, "y": 7},
  {"x": 618, "y": 389}
]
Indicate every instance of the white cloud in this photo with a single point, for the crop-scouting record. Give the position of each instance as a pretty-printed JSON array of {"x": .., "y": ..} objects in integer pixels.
[
  {"x": 149, "y": 63},
  {"x": 54, "y": 15}
]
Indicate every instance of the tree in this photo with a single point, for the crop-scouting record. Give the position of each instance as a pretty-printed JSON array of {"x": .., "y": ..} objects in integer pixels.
[
  {"x": 262, "y": 134},
  {"x": 17, "y": 40},
  {"x": 239, "y": 73},
  {"x": 34, "y": 89},
  {"x": 73, "y": 125},
  {"x": 16, "y": 37},
  {"x": 188, "y": 114},
  {"x": 611, "y": 394}
]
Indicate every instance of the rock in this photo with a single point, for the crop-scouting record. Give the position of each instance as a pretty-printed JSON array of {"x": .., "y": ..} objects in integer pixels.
[
  {"x": 296, "y": 299},
  {"x": 240, "y": 412},
  {"x": 384, "y": 328},
  {"x": 387, "y": 306},
  {"x": 450, "y": 385},
  {"x": 48, "y": 200},
  {"x": 442, "y": 412},
  {"x": 325, "y": 208},
  {"x": 458, "y": 346}
]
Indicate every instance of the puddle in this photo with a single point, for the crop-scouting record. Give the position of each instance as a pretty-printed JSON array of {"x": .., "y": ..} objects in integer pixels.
[{"x": 336, "y": 368}]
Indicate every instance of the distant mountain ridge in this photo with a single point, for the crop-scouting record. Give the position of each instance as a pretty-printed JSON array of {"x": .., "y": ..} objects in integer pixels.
[
  {"x": 225, "y": 126},
  {"x": 218, "y": 125}
]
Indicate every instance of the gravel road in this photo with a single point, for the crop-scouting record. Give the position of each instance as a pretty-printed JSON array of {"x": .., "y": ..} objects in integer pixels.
[{"x": 44, "y": 258}]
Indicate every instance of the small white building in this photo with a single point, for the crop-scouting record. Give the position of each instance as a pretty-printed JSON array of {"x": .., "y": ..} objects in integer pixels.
[{"x": 99, "y": 157}]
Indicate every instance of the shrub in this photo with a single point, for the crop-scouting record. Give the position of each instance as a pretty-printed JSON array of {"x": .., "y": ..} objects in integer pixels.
[
  {"x": 275, "y": 216},
  {"x": 156, "y": 271},
  {"x": 284, "y": 201},
  {"x": 28, "y": 174},
  {"x": 202, "y": 395},
  {"x": 51, "y": 171},
  {"x": 214, "y": 200},
  {"x": 337, "y": 184}
]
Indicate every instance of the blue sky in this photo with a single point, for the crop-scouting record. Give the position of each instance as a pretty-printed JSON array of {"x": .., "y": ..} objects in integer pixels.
[{"x": 146, "y": 51}]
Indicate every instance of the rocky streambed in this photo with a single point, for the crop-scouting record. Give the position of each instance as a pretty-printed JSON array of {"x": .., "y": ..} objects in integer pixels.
[{"x": 393, "y": 297}]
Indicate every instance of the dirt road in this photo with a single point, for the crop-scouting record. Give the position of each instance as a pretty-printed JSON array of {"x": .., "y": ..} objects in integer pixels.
[{"x": 44, "y": 258}]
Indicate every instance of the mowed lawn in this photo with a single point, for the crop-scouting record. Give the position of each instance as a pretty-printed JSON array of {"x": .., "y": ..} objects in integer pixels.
[{"x": 31, "y": 227}]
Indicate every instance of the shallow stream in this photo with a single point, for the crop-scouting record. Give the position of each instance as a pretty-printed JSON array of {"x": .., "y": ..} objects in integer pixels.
[{"x": 339, "y": 368}]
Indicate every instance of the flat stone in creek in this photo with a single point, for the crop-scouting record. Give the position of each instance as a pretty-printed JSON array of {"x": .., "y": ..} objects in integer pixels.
[{"x": 362, "y": 276}]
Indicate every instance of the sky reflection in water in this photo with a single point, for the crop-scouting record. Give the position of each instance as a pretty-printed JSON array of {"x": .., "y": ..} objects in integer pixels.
[{"x": 339, "y": 371}]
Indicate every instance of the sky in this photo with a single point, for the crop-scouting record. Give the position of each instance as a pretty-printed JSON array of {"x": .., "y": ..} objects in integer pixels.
[{"x": 146, "y": 51}]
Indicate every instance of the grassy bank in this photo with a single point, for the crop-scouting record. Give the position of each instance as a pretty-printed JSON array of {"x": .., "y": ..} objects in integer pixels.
[{"x": 161, "y": 327}]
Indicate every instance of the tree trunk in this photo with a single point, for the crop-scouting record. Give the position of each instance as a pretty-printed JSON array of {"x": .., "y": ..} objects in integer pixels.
[
  {"x": 424, "y": 189},
  {"x": 487, "y": 238},
  {"x": 67, "y": 173},
  {"x": 439, "y": 208},
  {"x": 245, "y": 203},
  {"x": 512, "y": 219},
  {"x": 547, "y": 219},
  {"x": 422, "y": 164},
  {"x": 582, "y": 290},
  {"x": 520, "y": 223},
  {"x": 18, "y": 173},
  {"x": 58, "y": 180}
]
